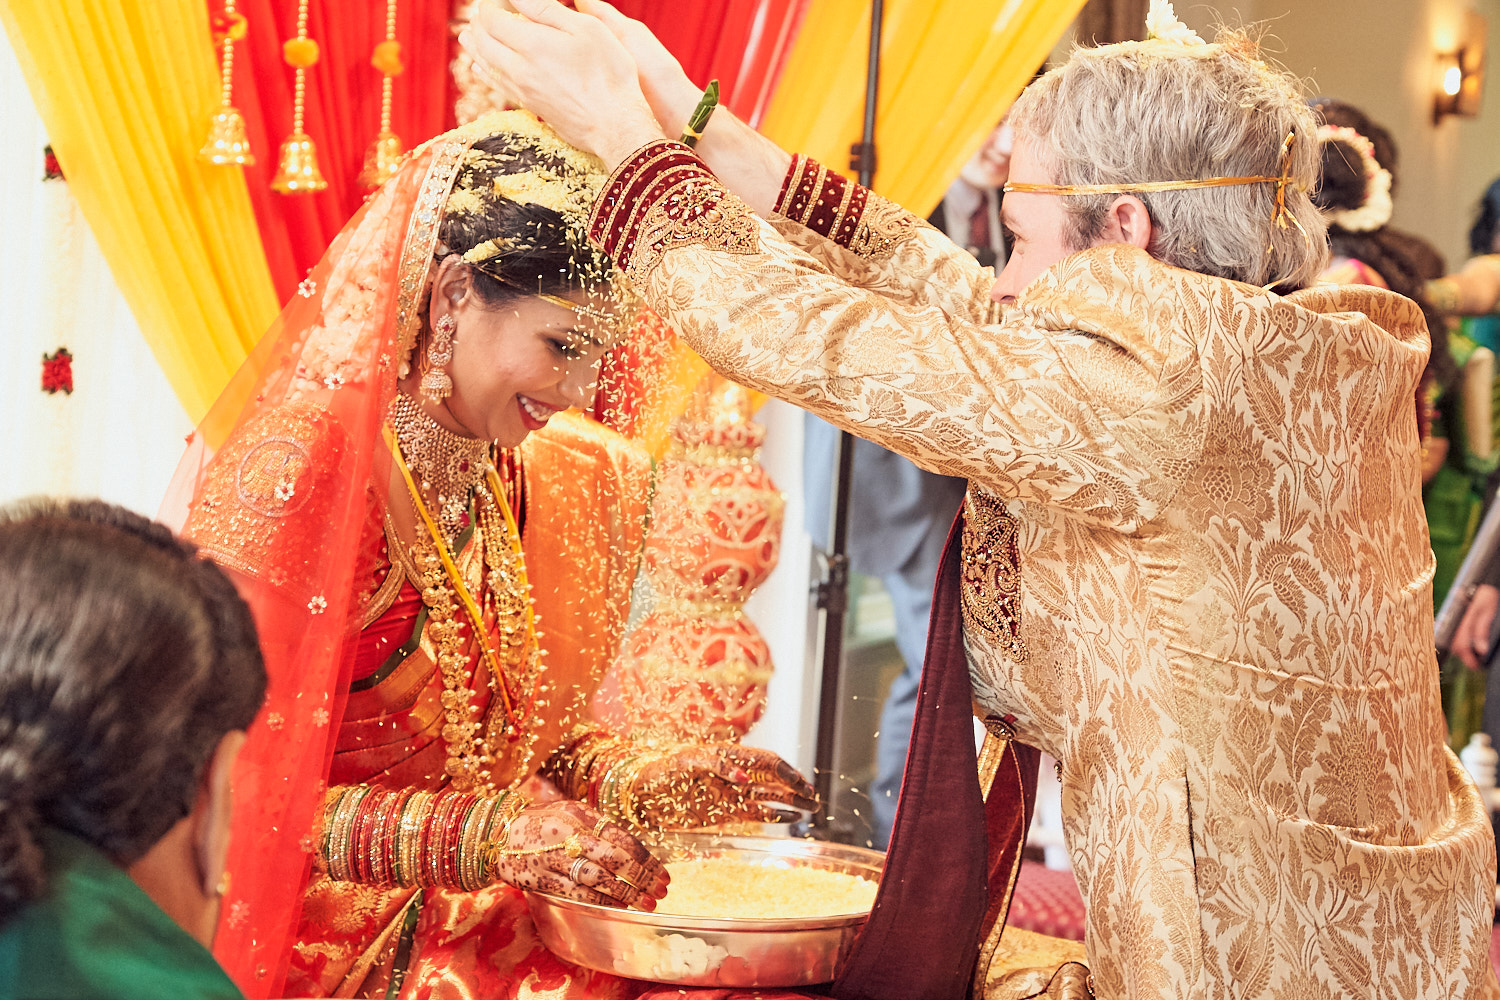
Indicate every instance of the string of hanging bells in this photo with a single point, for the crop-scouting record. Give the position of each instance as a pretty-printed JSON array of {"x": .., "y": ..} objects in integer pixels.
[
  {"x": 297, "y": 170},
  {"x": 226, "y": 134},
  {"x": 384, "y": 155},
  {"x": 297, "y": 164}
]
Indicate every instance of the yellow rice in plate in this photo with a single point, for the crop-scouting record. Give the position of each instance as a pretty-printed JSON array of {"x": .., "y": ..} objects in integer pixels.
[{"x": 721, "y": 887}]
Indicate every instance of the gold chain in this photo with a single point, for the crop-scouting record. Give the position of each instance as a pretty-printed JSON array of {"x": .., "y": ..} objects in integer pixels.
[{"x": 471, "y": 745}]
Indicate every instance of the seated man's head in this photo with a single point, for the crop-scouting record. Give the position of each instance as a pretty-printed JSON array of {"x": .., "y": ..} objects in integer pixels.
[
  {"x": 989, "y": 167},
  {"x": 1167, "y": 111},
  {"x": 129, "y": 670}
]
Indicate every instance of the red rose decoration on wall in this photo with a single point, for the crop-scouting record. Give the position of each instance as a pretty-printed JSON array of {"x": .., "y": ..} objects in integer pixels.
[
  {"x": 51, "y": 171},
  {"x": 57, "y": 371}
]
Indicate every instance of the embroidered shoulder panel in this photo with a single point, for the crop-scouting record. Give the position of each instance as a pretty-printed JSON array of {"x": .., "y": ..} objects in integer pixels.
[
  {"x": 831, "y": 205},
  {"x": 991, "y": 573},
  {"x": 663, "y": 198}
]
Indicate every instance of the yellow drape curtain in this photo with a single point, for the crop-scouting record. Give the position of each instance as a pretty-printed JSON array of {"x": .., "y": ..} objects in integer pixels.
[
  {"x": 126, "y": 90},
  {"x": 948, "y": 71}
]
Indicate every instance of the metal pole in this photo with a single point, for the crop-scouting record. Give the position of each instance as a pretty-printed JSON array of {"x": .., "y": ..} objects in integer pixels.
[{"x": 833, "y": 592}]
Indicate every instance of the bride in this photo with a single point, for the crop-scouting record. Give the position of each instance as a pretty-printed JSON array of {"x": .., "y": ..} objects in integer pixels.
[{"x": 440, "y": 553}]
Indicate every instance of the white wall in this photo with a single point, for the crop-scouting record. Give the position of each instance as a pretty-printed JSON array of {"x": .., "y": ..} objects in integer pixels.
[
  {"x": 120, "y": 433},
  {"x": 1381, "y": 56}
]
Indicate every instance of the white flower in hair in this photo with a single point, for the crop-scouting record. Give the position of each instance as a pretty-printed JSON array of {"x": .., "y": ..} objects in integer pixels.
[
  {"x": 1375, "y": 211},
  {"x": 1162, "y": 24}
]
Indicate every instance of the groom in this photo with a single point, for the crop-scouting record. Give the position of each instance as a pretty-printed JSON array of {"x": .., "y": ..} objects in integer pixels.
[{"x": 1192, "y": 562}]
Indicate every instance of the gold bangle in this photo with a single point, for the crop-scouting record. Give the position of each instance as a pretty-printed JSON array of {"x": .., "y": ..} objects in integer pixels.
[
  {"x": 474, "y": 824},
  {"x": 412, "y": 822},
  {"x": 341, "y": 864}
]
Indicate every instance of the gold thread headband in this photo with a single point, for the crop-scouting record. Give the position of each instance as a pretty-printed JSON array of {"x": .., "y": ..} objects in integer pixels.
[{"x": 1147, "y": 187}]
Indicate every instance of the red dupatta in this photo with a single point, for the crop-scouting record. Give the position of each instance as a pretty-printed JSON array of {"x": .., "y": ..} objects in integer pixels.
[{"x": 276, "y": 485}]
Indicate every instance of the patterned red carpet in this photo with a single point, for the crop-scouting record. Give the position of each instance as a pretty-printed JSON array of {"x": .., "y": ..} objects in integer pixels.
[{"x": 1047, "y": 901}]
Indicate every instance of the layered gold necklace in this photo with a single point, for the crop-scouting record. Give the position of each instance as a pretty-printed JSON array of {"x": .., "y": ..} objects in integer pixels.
[
  {"x": 448, "y": 464},
  {"x": 514, "y": 661}
]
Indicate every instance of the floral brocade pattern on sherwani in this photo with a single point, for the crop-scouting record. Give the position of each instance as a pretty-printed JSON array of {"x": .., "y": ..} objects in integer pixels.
[{"x": 1222, "y": 585}]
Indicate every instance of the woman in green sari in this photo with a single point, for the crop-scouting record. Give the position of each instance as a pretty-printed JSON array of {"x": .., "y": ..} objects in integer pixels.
[{"x": 129, "y": 670}]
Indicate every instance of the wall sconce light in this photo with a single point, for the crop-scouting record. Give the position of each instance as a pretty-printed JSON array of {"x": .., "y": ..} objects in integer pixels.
[{"x": 1461, "y": 73}]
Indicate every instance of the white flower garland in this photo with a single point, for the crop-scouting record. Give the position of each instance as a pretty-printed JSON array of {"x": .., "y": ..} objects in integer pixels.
[
  {"x": 1162, "y": 24},
  {"x": 1375, "y": 211}
]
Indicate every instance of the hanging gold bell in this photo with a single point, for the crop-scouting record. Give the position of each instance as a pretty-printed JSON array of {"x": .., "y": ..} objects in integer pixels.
[
  {"x": 382, "y": 160},
  {"x": 297, "y": 170},
  {"x": 226, "y": 139}
]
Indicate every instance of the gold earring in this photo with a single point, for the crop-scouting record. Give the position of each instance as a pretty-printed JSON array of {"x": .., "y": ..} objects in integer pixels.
[{"x": 437, "y": 385}]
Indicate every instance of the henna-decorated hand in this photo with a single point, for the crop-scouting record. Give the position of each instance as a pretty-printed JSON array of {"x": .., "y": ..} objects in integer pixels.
[
  {"x": 709, "y": 784},
  {"x": 567, "y": 849}
]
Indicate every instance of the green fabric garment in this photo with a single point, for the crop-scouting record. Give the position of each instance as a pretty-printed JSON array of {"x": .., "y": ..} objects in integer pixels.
[{"x": 97, "y": 936}]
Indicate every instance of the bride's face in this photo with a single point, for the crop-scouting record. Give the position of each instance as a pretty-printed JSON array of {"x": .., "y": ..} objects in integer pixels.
[{"x": 517, "y": 363}]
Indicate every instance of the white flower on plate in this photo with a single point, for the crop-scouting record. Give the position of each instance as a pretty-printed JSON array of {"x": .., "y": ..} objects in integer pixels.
[{"x": 1162, "y": 24}]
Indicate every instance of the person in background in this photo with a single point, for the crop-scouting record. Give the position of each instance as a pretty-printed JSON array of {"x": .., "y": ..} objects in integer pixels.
[
  {"x": 129, "y": 672},
  {"x": 899, "y": 515},
  {"x": 1473, "y": 291},
  {"x": 970, "y": 211}
]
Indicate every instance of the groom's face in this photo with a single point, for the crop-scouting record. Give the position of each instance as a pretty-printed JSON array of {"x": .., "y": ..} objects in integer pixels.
[{"x": 1036, "y": 222}]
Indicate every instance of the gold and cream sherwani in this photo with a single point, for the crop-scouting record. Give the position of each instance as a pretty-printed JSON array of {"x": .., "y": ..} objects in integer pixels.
[{"x": 1196, "y": 567}]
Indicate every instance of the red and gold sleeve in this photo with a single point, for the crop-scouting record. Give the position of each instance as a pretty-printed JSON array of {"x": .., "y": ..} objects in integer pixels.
[
  {"x": 665, "y": 197},
  {"x": 1043, "y": 406}
]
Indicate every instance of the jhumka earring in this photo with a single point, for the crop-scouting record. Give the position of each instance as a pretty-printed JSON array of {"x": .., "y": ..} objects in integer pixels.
[{"x": 436, "y": 383}]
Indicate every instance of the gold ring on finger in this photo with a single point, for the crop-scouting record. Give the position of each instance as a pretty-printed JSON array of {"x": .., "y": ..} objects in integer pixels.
[
  {"x": 575, "y": 873},
  {"x": 601, "y": 826},
  {"x": 573, "y": 847}
]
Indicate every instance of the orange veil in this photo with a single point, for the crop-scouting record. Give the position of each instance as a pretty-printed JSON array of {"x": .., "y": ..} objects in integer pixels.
[{"x": 275, "y": 485}]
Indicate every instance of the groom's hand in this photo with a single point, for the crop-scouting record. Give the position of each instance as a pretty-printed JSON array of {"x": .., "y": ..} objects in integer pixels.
[{"x": 570, "y": 70}]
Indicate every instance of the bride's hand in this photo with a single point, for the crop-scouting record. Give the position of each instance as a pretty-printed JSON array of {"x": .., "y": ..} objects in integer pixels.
[
  {"x": 708, "y": 784},
  {"x": 568, "y": 849}
]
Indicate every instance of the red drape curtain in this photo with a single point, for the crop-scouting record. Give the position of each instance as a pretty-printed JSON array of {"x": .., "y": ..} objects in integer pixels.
[
  {"x": 741, "y": 43},
  {"x": 342, "y": 112}
]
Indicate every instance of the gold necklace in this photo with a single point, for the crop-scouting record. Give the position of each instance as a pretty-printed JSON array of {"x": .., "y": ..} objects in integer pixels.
[
  {"x": 449, "y": 464},
  {"x": 471, "y": 755}
]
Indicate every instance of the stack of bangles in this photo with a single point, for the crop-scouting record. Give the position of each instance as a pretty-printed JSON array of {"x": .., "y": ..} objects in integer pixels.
[
  {"x": 602, "y": 770},
  {"x": 381, "y": 837}
]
